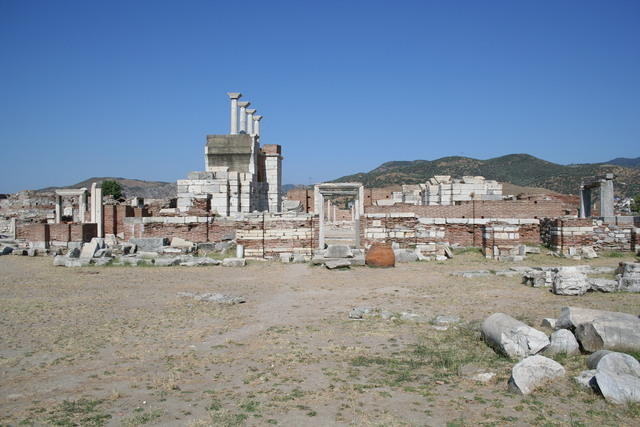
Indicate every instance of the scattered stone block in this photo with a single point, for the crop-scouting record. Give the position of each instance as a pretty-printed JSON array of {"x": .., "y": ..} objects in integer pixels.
[
  {"x": 211, "y": 297},
  {"x": 511, "y": 337},
  {"x": 166, "y": 261},
  {"x": 102, "y": 261},
  {"x": 299, "y": 258},
  {"x": 60, "y": 261},
  {"x": 603, "y": 285},
  {"x": 562, "y": 341},
  {"x": 569, "y": 281},
  {"x": 234, "y": 262},
  {"x": 405, "y": 255},
  {"x": 178, "y": 242},
  {"x": 617, "y": 332},
  {"x": 571, "y": 317},
  {"x": 619, "y": 389},
  {"x": 73, "y": 253},
  {"x": 361, "y": 312},
  {"x": 150, "y": 244},
  {"x": 533, "y": 372},
  {"x": 588, "y": 252},
  {"x": 6, "y": 250},
  {"x": 286, "y": 257},
  {"x": 629, "y": 278},
  {"x": 338, "y": 251},
  {"x": 471, "y": 274},
  {"x": 338, "y": 263}
]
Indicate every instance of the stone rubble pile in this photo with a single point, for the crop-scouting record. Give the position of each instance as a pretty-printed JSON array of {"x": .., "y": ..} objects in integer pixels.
[
  {"x": 338, "y": 256},
  {"x": 613, "y": 374},
  {"x": 138, "y": 252}
]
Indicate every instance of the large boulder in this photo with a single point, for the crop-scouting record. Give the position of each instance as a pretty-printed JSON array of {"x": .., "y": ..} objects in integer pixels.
[
  {"x": 563, "y": 341},
  {"x": 380, "y": 255},
  {"x": 569, "y": 281},
  {"x": 532, "y": 372},
  {"x": 89, "y": 249},
  {"x": 511, "y": 337},
  {"x": 629, "y": 279},
  {"x": 618, "y": 363},
  {"x": 538, "y": 278}
]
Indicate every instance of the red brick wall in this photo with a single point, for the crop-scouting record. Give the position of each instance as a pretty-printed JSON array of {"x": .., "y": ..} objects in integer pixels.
[
  {"x": 482, "y": 209},
  {"x": 82, "y": 232},
  {"x": 32, "y": 232},
  {"x": 59, "y": 232}
]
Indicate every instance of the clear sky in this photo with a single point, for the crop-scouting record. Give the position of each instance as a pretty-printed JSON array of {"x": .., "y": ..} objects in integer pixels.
[{"x": 131, "y": 88}]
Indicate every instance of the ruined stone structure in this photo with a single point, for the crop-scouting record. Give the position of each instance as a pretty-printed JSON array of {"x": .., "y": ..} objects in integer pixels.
[
  {"x": 443, "y": 190},
  {"x": 603, "y": 197},
  {"x": 239, "y": 176}
]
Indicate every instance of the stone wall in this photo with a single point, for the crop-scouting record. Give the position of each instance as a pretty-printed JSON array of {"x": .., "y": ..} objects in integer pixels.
[
  {"x": 566, "y": 235},
  {"x": 409, "y": 229},
  {"x": 41, "y": 235}
]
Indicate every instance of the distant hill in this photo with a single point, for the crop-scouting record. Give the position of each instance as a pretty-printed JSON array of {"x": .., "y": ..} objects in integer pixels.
[
  {"x": 130, "y": 187},
  {"x": 519, "y": 169},
  {"x": 625, "y": 161}
]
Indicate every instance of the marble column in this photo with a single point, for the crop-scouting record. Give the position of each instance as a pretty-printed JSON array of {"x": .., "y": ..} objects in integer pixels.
[
  {"x": 234, "y": 96},
  {"x": 93, "y": 202},
  {"x": 256, "y": 124},
  {"x": 606, "y": 198},
  {"x": 83, "y": 206},
  {"x": 99, "y": 217},
  {"x": 584, "y": 194},
  {"x": 250, "y": 113},
  {"x": 58, "y": 209},
  {"x": 243, "y": 115}
]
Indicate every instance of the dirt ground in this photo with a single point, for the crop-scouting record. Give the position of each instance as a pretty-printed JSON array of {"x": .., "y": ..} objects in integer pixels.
[{"x": 117, "y": 346}]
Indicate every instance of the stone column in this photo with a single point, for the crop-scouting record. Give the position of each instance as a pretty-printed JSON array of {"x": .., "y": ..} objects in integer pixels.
[
  {"x": 234, "y": 96},
  {"x": 256, "y": 124},
  {"x": 320, "y": 204},
  {"x": 583, "y": 204},
  {"x": 93, "y": 203},
  {"x": 83, "y": 206},
  {"x": 243, "y": 115},
  {"x": 250, "y": 113},
  {"x": 606, "y": 198},
  {"x": 99, "y": 217},
  {"x": 58, "y": 209}
]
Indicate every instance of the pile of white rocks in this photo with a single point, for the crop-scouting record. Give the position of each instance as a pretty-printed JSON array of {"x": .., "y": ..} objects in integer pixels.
[
  {"x": 613, "y": 373},
  {"x": 574, "y": 280},
  {"x": 441, "y": 322},
  {"x": 138, "y": 252}
]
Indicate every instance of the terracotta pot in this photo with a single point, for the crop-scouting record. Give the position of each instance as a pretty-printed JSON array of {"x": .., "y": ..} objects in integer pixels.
[{"x": 380, "y": 255}]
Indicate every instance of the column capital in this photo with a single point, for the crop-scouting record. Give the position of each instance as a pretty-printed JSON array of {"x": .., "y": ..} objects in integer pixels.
[
  {"x": 250, "y": 111},
  {"x": 243, "y": 104},
  {"x": 257, "y": 118},
  {"x": 234, "y": 95}
]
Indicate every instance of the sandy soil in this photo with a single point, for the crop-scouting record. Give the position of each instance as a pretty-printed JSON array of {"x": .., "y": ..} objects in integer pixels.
[{"x": 117, "y": 346}]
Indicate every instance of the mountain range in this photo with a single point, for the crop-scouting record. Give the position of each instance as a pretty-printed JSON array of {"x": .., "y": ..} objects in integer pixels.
[{"x": 518, "y": 169}]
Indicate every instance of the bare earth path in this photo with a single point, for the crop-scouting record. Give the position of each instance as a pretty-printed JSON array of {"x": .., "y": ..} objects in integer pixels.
[{"x": 117, "y": 346}]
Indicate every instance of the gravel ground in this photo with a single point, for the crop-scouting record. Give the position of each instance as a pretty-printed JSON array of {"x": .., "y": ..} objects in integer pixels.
[{"x": 118, "y": 346}]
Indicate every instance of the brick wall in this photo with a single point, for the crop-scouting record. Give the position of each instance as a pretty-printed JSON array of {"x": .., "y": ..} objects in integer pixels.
[
  {"x": 483, "y": 209},
  {"x": 62, "y": 233},
  {"x": 32, "y": 232},
  {"x": 408, "y": 229},
  {"x": 565, "y": 235},
  {"x": 59, "y": 233}
]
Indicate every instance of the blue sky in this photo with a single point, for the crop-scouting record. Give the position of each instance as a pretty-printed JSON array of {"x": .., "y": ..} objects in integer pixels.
[{"x": 131, "y": 88}]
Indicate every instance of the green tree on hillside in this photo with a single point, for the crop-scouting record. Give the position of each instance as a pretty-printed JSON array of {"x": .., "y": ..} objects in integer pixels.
[{"x": 113, "y": 188}]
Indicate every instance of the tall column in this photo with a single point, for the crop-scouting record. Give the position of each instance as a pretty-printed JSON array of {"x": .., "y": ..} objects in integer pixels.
[
  {"x": 583, "y": 210},
  {"x": 256, "y": 124},
  {"x": 234, "y": 96},
  {"x": 250, "y": 121},
  {"x": 83, "y": 206},
  {"x": 243, "y": 115},
  {"x": 99, "y": 217},
  {"x": 320, "y": 204},
  {"x": 58, "y": 209},
  {"x": 606, "y": 198},
  {"x": 93, "y": 203}
]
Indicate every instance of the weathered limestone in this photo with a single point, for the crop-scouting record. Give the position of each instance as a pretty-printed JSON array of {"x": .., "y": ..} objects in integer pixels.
[
  {"x": 532, "y": 372},
  {"x": 256, "y": 124},
  {"x": 629, "y": 279},
  {"x": 150, "y": 244},
  {"x": 250, "y": 113},
  {"x": 234, "y": 96},
  {"x": 617, "y": 376},
  {"x": 572, "y": 317},
  {"x": 234, "y": 262},
  {"x": 604, "y": 184},
  {"x": 612, "y": 333},
  {"x": 569, "y": 281},
  {"x": 563, "y": 341},
  {"x": 243, "y": 115},
  {"x": 511, "y": 337}
]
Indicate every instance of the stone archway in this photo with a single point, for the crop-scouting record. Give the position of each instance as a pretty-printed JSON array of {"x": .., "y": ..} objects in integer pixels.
[{"x": 328, "y": 191}]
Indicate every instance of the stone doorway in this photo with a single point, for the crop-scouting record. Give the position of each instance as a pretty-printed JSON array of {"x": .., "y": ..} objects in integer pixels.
[{"x": 339, "y": 207}]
